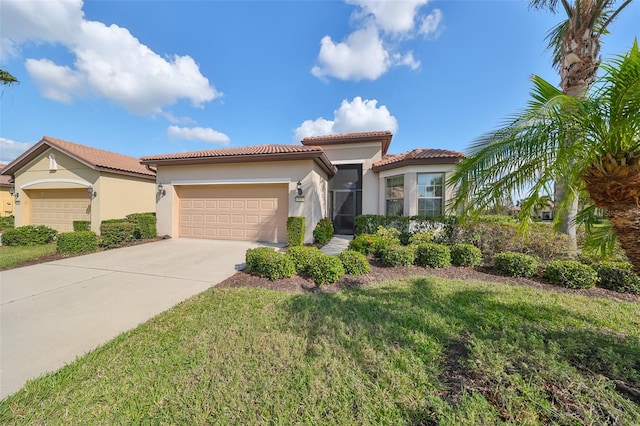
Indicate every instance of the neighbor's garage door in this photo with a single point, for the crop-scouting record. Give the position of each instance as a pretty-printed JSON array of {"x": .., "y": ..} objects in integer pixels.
[
  {"x": 234, "y": 212},
  {"x": 58, "y": 208}
]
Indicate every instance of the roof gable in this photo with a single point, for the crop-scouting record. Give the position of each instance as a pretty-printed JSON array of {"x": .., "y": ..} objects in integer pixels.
[
  {"x": 384, "y": 137},
  {"x": 418, "y": 156}
]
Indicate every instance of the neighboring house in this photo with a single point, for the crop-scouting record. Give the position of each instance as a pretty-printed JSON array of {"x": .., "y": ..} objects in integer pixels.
[
  {"x": 247, "y": 193},
  {"x": 6, "y": 199},
  {"x": 57, "y": 182}
]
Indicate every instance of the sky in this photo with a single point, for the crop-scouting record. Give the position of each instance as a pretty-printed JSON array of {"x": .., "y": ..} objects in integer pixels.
[{"x": 155, "y": 77}]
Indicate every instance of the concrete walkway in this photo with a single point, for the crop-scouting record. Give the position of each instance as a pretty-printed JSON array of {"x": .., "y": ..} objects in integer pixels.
[
  {"x": 337, "y": 245},
  {"x": 53, "y": 312}
]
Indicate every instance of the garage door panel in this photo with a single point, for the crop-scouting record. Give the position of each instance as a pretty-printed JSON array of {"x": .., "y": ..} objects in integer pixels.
[
  {"x": 235, "y": 212},
  {"x": 58, "y": 208}
]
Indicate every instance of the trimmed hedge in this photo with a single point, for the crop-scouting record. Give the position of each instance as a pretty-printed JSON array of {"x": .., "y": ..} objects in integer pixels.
[
  {"x": 253, "y": 258},
  {"x": 444, "y": 227},
  {"x": 29, "y": 235},
  {"x": 301, "y": 256},
  {"x": 76, "y": 242},
  {"x": 433, "y": 255},
  {"x": 397, "y": 255},
  {"x": 325, "y": 269},
  {"x": 116, "y": 232},
  {"x": 354, "y": 263},
  {"x": 81, "y": 225},
  {"x": 145, "y": 225},
  {"x": 295, "y": 230},
  {"x": 515, "y": 264},
  {"x": 617, "y": 276},
  {"x": 570, "y": 274},
  {"x": 323, "y": 232},
  {"x": 465, "y": 255},
  {"x": 276, "y": 265},
  {"x": 7, "y": 222}
]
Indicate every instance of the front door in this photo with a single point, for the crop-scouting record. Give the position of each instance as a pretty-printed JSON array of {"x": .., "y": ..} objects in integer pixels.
[{"x": 344, "y": 211}]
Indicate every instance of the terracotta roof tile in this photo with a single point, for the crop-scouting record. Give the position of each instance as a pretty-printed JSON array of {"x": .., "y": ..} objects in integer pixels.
[
  {"x": 418, "y": 156},
  {"x": 4, "y": 179},
  {"x": 236, "y": 152},
  {"x": 340, "y": 136}
]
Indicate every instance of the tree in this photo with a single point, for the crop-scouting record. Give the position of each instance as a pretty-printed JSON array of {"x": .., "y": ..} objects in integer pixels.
[
  {"x": 529, "y": 151},
  {"x": 575, "y": 43},
  {"x": 7, "y": 78}
]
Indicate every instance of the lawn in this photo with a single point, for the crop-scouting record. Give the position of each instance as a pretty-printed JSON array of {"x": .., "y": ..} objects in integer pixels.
[
  {"x": 14, "y": 255},
  {"x": 422, "y": 350}
]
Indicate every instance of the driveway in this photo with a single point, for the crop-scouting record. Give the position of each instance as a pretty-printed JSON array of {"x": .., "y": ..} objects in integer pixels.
[{"x": 53, "y": 312}]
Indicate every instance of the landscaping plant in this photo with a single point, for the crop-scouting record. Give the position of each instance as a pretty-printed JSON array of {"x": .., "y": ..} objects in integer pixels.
[
  {"x": 295, "y": 230},
  {"x": 354, "y": 263},
  {"x": 570, "y": 274},
  {"x": 76, "y": 242},
  {"x": 301, "y": 256},
  {"x": 617, "y": 276},
  {"x": 325, "y": 269},
  {"x": 323, "y": 232},
  {"x": 397, "y": 255},
  {"x": 433, "y": 255},
  {"x": 465, "y": 255},
  {"x": 515, "y": 264},
  {"x": 29, "y": 235}
]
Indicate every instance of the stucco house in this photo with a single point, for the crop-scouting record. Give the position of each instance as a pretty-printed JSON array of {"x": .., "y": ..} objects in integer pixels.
[
  {"x": 247, "y": 193},
  {"x": 56, "y": 182},
  {"x": 6, "y": 199}
]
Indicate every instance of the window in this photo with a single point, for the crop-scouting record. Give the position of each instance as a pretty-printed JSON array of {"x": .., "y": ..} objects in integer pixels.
[
  {"x": 430, "y": 190},
  {"x": 395, "y": 196}
]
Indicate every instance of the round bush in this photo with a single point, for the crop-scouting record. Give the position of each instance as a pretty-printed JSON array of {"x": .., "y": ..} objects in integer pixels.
[
  {"x": 617, "y": 276},
  {"x": 29, "y": 235},
  {"x": 76, "y": 242},
  {"x": 515, "y": 264},
  {"x": 422, "y": 237},
  {"x": 433, "y": 255},
  {"x": 325, "y": 269},
  {"x": 570, "y": 274},
  {"x": 354, "y": 263},
  {"x": 396, "y": 255},
  {"x": 275, "y": 265},
  {"x": 323, "y": 232},
  {"x": 301, "y": 256},
  {"x": 253, "y": 258},
  {"x": 465, "y": 255}
]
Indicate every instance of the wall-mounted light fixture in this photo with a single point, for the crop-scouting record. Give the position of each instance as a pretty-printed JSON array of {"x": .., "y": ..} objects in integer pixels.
[
  {"x": 91, "y": 192},
  {"x": 161, "y": 191},
  {"x": 13, "y": 192},
  {"x": 299, "y": 187}
]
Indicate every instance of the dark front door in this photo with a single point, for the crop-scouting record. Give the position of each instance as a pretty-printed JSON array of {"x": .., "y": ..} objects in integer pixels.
[{"x": 344, "y": 211}]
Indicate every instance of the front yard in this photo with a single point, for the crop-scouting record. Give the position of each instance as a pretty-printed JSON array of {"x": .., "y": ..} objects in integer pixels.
[
  {"x": 419, "y": 350},
  {"x": 11, "y": 256}
]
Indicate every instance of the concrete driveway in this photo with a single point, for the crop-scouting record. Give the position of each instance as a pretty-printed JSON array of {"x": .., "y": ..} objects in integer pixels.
[{"x": 53, "y": 312}]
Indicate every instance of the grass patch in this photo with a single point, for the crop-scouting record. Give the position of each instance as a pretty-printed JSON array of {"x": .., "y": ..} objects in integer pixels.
[
  {"x": 11, "y": 256},
  {"x": 422, "y": 350}
]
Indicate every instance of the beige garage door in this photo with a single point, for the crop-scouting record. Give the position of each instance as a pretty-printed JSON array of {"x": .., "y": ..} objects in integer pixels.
[
  {"x": 234, "y": 212},
  {"x": 58, "y": 208}
]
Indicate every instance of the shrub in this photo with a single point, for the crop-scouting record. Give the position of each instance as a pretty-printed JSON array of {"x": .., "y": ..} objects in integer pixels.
[
  {"x": 465, "y": 255},
  {"x": 617, "y": 276},
  {"x": 275, "y": 265},
  {"x": 76, "y": 242},
  {"x": 323, "y": 232},
  {"x": 301, "y": 256},
  {"x": 570, "y": 274},
  {"x": 354, "y": 263},
  {"x": 6, "y": 222},
  {"x": 433, "y": 255},
  {"x": 515, "y": 264},
  {"x": 325, "y": 269},
  {"x": 444, "y": 228},
  {"x": 116, "y": 232},
  {"x": 29, "y": 235},
  {"x": 397, "y": 255},
  {"x": 145, "y": 225},
  {"x": 363, "y": 243},
  {"x": 253, "y": 258},
  {"x": 295, "y": 231},
  {"x": 422, "y": 237},
  {"x": 81, "y": 225}
]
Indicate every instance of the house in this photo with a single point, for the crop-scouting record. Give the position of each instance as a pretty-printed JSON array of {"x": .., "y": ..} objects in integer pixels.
[
  {"x": 6, "y": 199},
  {"x": 56, "y": 182},
  {"x": 247, "y": 193}
]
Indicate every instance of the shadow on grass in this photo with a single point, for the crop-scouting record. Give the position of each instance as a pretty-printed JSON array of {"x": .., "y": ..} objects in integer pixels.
[{"x": 445, "y": 329}]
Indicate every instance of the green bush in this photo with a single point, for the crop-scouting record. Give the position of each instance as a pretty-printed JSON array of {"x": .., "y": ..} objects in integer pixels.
[
  {"x": 29, "y": 235},
  {"x": 363, "y": 243},
  {"x": 354, "y": 263},
  {"x": 295, "y": 231},
  {"x": 116, "y": 232},
  {"x": 275, "y": 265},
  {"x": 433, "y": 255},
  {"x": 570, "y": 274},
  {"x": 81, "y": 225},
  {"x": 301, "y": 256},
  {"x": 465, "y": 255},
  {"x": 617, "y": 276},
  {"x": 254, "y": 257},
  {"x": 6, "y": 222},
  {"x": 444, "y": 228},
  {"x": 323, "y": 232},
  {"x": 515, "y": 264},
  {"x": 145, "y": 225},
  {"x": 77, "y": 242},
  {"x": 422, "y": 237},
  {"x": 325, "y": 269},
  {"x": 397, "y": 255}
]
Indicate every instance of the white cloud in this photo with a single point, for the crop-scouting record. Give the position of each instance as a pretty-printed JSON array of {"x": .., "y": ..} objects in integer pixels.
[
  {"x": 110, "y": 62},
  {"x": 354, "y": 116},
  {"x": 431, "y": 24},
  {"x": 198, "y": 133},
  {"x": 391, "y": 16},
  {"x": 10, "y": 150}
]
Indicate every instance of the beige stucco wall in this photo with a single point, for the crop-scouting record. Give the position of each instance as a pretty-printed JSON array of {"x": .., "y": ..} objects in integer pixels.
[
  {"x": 410, "y": 174},
  {"x": 365, "y": 154},
  {"x": 313, "y": 181},
  {"x": 119, "y": 195},
  {"x": 6, "y": 202}
]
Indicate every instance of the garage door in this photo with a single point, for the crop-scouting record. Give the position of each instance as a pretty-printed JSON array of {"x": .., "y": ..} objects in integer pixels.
[
  {"x": 58, "y": 208},
  {"x": 234, "y": 212}
]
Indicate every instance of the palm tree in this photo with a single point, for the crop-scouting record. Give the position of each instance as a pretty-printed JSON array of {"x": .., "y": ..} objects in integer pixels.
[
  {"x": 529, "y": 151},
  {"x": 575, "y": 43},
  {"x": 7, "y": 78}
]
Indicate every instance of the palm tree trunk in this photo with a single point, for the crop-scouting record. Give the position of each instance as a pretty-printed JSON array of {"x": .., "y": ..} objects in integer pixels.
[
  {"x": 626, "y": 225},
  {"x": 566, "y": 218}
]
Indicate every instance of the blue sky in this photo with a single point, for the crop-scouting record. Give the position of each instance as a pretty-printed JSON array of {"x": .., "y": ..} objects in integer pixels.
[{"x": 153, "y": 77}]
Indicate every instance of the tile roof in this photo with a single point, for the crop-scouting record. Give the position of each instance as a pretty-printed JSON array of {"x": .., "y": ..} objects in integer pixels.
[
  {"x": 418, "y": 156},
  {"x": 4, "y": 179},
  {"x": 359, "y": 135},
  {"x": 235, "y": 152},
  {"x": 383, "y": 136},
  {"x": 93, "y": 157}
]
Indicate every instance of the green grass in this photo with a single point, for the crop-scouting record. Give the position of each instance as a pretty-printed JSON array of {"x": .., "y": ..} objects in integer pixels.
[
  {"x": 423, "y": 350},
  {"x": 14, "y": 255}
]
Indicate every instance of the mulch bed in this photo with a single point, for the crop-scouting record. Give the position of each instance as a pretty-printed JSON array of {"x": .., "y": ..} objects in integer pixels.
[{"x": 297, "y": 284}]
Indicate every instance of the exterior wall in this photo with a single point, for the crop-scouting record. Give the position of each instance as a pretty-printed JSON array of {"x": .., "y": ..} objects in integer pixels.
[
  {"x": 313, "y": 181},
  {"x": 410, "y": 174},
  {"x": 6, "y": 202},
  {"x": 365, "y": 154},
  {"x": 118, "y": 196}
]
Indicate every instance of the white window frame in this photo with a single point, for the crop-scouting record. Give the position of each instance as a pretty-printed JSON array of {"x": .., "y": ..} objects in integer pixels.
[
  {"x": 441, "y": 198},
  {"x": 386, "y": 194}
]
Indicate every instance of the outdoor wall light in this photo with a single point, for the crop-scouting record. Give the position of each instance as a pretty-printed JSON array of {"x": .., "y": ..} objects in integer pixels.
[
  {"x": 161, "y": 191},
  {"x": 12, "y": 192},
  {"x": 299, "y": 187},
  {"x": 92, "y": 194}
]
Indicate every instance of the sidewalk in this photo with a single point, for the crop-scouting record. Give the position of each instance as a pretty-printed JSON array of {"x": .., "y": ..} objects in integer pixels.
[{"x": 337, "y": 245}]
